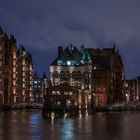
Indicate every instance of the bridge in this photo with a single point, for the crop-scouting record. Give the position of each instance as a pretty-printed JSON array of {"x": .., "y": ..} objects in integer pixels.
[{"x": 27, "y": 105}]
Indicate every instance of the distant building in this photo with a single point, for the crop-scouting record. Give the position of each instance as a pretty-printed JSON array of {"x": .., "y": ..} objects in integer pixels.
[
  {"x": 98, "y": 73},
  {"x": 132, "y": 89},
  {"x": 40, "y": 84},
  {"x": 15, "y": 71}
]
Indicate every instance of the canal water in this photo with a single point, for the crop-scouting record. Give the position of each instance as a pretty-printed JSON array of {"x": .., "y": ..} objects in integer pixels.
[{"x": 29, "y": 125}]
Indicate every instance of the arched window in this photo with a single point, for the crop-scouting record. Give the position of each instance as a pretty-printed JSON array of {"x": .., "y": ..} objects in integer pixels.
[
  {"x": 67, "y": 74},
  {"x": 73, "y": 74},
  {"x": 78, "y": 74},
  {"x": 86, "y": 74},
  {"x": 62, "y": 75},
  {"x": 55, "y": 74}
]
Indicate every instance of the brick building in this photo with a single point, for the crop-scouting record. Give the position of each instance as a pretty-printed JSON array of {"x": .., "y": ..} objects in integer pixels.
[{"x": 15, "y": 71}]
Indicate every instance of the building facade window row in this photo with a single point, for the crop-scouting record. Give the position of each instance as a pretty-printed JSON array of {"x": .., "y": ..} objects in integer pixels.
[{"x": 73, "y": 75}]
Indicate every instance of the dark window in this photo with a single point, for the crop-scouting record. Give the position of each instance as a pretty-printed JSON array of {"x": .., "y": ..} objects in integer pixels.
[{"x": 55, "y": 74}]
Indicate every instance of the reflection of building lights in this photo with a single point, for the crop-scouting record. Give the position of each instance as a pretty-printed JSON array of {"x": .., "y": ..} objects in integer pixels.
[
  {"x": 52, "y": 115},
  {"x": 65, "y": 115},
  {"x": 69, "y": 101}
]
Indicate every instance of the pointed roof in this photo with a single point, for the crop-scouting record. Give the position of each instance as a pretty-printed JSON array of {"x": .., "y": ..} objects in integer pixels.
[
  {"x": 44, "y": 75},
  {"x": 86, "y": 55}
]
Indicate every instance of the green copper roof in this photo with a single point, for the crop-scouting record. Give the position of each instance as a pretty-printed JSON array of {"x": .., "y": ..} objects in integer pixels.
[
  {"x": 86, "y": 56},
  {"x": 70, "y": 56}
]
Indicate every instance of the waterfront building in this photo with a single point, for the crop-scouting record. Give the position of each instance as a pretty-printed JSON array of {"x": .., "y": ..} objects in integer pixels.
[
  {"x": 15, "y": 71},
  {"x": 107, "y": 75},
  {"x": 24, "y": 75},
  {"x": 72, "y": 69},
  {"x": 98, "y": 75}
]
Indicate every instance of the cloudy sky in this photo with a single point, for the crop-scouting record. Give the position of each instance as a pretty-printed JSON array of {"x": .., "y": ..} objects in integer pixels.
[{"x": 42, "y": 25}]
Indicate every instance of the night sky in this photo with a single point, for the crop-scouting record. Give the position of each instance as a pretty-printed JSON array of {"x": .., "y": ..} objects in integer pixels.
[{"x": 42, "y": 25}]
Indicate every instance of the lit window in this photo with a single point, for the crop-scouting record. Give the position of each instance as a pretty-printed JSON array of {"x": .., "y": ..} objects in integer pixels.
[
  {"x": 14, "y": 55},
  {"x": 82, "y": 61},
  {"x": 70, "y": 93},
  {"x": 0, "y": 56},
  {"x": 65, "y": 93},
  {"x": 0, "y": 47},
  {"x": 68, "y": 63},
  {"x": 68, "y": 102},
  {"x": 58, "y": 92},
  {"x": 59, "y": 62},
  {"x": 58, "y": 103},
  {"x": 79, "y": 85},
  {"x": 1, "y": 92},
  {"x": 35, "y": 82},
  {"x": 73, "y": 62}
]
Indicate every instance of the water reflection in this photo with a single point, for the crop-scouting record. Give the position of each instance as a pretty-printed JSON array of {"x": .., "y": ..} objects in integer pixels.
[
  {"x": 29, "y": 125},
  {"x": 67, "y": 129},
  {"x": 35, "y": 125}
]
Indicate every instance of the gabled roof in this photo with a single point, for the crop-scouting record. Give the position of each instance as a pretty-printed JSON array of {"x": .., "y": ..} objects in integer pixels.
[{"x": 70, "y": 53}]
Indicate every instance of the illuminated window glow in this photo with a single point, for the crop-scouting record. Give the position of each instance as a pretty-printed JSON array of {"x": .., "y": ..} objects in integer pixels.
[
  {"x": 68, "y": 63},
  {"x": 59, "y": 62},
  {"x": 35, "y": 82}
]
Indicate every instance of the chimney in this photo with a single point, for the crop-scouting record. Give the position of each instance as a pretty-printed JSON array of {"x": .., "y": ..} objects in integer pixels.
[{"x": 60, "y": 50}]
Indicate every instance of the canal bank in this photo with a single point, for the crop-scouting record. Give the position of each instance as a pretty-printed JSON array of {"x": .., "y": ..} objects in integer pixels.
[{"x": 59, "y": 111}]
